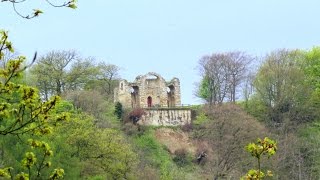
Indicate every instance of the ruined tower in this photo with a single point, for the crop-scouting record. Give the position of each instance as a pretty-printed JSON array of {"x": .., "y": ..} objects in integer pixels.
[{"x": 150, "y": 90}]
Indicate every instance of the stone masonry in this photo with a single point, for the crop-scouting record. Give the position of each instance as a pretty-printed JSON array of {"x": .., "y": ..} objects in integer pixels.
[
  {"x": 149, "y": 90},
  {"x": 160, "y": 99}
]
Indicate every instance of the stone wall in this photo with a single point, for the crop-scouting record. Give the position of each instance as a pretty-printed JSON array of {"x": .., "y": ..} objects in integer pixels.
[
  {"x": 166, "y": 117},
  {"x": 149, "y": 90}
]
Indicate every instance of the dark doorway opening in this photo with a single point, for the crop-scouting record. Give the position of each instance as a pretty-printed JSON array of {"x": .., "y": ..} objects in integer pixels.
[{"x": 149, "y": 101}]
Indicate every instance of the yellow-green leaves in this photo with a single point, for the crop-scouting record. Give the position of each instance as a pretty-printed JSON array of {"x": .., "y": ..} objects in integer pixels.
[
  {"x": 265, "y": 146},
  {"x": 261, "y": 147},
  {"x": 22, "y": 176},
  {"x": 37, "y": 12},
  {"x": 29, "y": 160},
  {"x": 3, "y": 35},
  {"x": 41, "y": 144},
  {"x": 9, "y": 46},
  {"x": 5, "y": 173},
  {"x": 57, "y": 174},
  {"x": 45, "y": 152},
  {"x": 4, "y": 43},
  {"x": 72, "y": 6}
]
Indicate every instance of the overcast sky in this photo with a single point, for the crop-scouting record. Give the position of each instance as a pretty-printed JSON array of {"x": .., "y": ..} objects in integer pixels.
[{"x": 165, "y": 36}]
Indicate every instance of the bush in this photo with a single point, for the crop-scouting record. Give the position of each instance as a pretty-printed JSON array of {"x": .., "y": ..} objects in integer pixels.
[
  {"x": 201, "y": 118},
  {"x": 136, "y": 114},
  {"x": 181, "y": 157},
  {"x": 201, "y": 155},
  {"x": 133, "y": 129},
  {"x": 118, "y": 110},
  {"x": 187, "y": 127}
]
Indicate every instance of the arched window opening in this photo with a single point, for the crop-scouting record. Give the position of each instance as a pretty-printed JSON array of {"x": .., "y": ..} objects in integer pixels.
[
  {"x": 135, "y": 96},
  {"x": 171, "y": 96},
  {"x": 149, "y": 101}
]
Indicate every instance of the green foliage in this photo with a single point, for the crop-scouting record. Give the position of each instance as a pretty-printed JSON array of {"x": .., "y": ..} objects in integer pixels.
[
  {"x": 204, "y": 91},
  {"x": 310, "y": 136},
  {"x": 118, "y": 110},
  {"x": 261, "y": 147},
  {"x": 105, "y": 150},
  {"x": 21, "y": 108},
  {"x": 281, "y": 89},
  {"x": 23, "y": 113},
  {"x": 155, "y": 154},
  {"x": 200, "y": 119},
  {"x": 36, "y": 160},
  {"x": 57, "y": 174},
  {"x": 5, "y": 173},
  {"x": 256, "y": 174},
  {"x": 181, "y": 158},
  {"x": 311, "y": 64}
]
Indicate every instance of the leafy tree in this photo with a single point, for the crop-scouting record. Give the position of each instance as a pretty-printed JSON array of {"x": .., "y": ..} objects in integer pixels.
[
  {"x": 108, "y": 73},
  {"x": 81, "y": 72},
  {"x": 95, "y": 104},
  {"x": 100, "y": 151},
  {"x": 311, "y": 66},
  {"x": 118, "y": 110},
  {"x": 54, "y": 67},
  {"x": 61, "y": 71},
  {"x": 262, "y": 147},
  {"x": 22, "y": 111},
  {"x": 106, "y": 79},
  {"x": 281, "y": 88},
  {"x": 204, "y": 89}
]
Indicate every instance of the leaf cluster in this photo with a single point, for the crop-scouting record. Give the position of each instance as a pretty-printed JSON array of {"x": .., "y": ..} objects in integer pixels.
[
  {"x": 262, "y": 147},
  {"x": 267, "y": 147}
]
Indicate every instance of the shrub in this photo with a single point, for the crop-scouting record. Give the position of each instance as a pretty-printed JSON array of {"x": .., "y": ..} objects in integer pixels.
[
  {"x": 181, "y": 157},
  {"x": 133, "y": 129},
  {"x": 136, "y": 114},
  {"x": 118, "y": 110},
  {"x": 187, "y": 127},
  {"x": 201, "y": 155}
]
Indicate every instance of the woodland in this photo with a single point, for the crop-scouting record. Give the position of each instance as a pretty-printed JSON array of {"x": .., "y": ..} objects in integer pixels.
[{"x": 259, "y": 119}]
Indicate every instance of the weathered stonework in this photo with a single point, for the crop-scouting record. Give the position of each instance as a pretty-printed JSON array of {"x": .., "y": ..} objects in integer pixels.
[
  {"x": 160, "y": 100},
  {"x": 166, "y": 117},
  {"x": 149, "y": 90}
]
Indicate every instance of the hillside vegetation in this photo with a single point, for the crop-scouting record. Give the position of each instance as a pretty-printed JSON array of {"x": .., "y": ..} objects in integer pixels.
[{"x": 58, "y": 120}]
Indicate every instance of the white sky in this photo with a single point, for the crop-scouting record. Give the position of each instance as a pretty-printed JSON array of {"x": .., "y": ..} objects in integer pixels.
[{"x": 165, "y": 36}]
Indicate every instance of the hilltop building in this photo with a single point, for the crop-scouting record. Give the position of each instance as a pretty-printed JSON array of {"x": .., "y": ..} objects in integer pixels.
[
  {"x": 160, "y": 100},
  {"x": 150, "y": 90}
]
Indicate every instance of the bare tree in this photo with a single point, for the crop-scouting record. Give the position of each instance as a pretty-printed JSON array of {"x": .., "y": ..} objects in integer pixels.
[
  {"x": 222, "y": 73},
  {"x": 238, "y": 63},
  {"x": 227, "y": 132}
]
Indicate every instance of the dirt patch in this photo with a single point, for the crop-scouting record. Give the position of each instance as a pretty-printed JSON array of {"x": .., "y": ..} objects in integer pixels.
[{"x": 175, "y": 139}]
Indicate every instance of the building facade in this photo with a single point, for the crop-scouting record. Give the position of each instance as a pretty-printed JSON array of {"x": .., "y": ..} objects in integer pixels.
[{"x": 149, "y": 90}]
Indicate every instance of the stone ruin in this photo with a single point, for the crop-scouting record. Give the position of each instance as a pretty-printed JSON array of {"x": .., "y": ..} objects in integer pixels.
[
  {"x": 150, "y": 90},
  {"x": 160, "y": 99}
]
